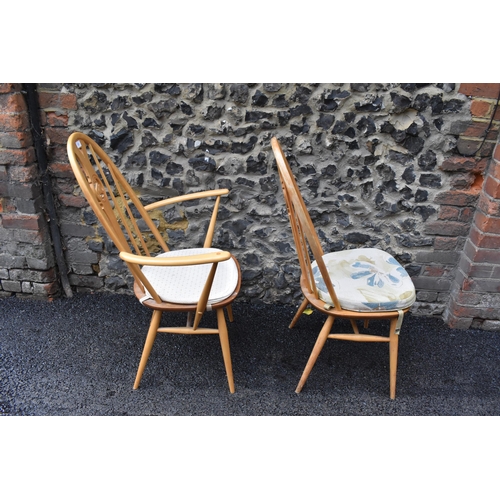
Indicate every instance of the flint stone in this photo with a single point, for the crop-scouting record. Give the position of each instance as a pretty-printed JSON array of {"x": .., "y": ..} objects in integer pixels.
[
  {"x": 122, "y": 140},
  {"x": 163, "y": 108},
  {"x": 174, "y": 168},
  {"x": 366, "y": 125},
  {"x": 136, "y": 159},
  {"x": 97, "y": 102},
  {"x": 167, "y": 88},
  {"x": 414, "y": 144},
  {"x": 157, "y": 158},
  {"x": 150, "y": 123},
  {"x": 430, "y": 180},
  {"x": 239, "y": 93},
  {"x": 141, "y": 99},
  {"x": 424, "y": 211},
  {"x": 375, "y": 105},
  {"x": 427, "y": 161},
  {"x": 259, "y": 99},
  {"x": 280, "y": 101},
  {"x": 301, "y": 94},
  {"x": 400, "y": 102},
  {"x": 203, "y": 163},
  {"x": 421, "y": 195}
]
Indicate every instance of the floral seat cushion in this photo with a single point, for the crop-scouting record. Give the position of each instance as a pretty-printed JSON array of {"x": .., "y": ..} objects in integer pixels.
[
  {"x": 184, "y": 284},
  {"x": 366, "y": 280}
]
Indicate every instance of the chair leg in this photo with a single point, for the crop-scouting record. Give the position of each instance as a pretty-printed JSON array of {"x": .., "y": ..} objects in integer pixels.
[
  {"x": 229, "y": 310},
  {"x": 153, "y": 330},
  {"x": 224, "y": 342},
  {"x": 320, "y": 342},
  {"x": 393, "y": 357},
  {"x": 301, "y": 309}
]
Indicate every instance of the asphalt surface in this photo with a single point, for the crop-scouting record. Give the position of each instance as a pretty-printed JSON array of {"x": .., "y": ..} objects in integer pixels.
[{"x": 79, "y": 356}]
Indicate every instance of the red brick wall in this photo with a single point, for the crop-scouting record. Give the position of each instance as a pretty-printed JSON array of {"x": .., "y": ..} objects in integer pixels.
[
  {"x": 26, "y": 257},
  {"x": 475, "y": 292}
]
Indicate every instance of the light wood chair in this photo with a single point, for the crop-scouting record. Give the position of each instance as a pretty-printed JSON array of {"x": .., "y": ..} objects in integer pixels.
[
  {"x": 359, "y": 284},
  {"x": 191, "y": 281}
]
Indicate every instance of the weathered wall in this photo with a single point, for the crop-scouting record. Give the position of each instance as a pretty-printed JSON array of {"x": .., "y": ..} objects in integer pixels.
[
  {"x": 397, "y": 166},
  {"x": 27, "y": 264}
]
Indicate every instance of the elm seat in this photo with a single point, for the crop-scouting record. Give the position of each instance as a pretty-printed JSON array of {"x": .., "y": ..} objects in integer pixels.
[
  {"x": 365, "y": 279},
  {"x": 184, "y": 284},
  {"x": 357, "y": 285}
]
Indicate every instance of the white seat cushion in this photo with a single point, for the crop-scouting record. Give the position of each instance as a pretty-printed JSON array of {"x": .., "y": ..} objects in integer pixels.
[
  {"x": 184, "y": 284},
  {"x": 366, "y": 279}
]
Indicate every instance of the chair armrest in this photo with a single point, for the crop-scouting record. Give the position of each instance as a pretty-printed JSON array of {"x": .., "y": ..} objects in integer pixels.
[
  {"x": 186, "y": 197},
  {"x": 188, "y": 260}
]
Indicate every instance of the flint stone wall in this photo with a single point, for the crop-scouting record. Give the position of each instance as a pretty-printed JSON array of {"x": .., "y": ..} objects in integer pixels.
[
  {"x": 395, "y": 166},
  {"x": 366, "y": 157}
]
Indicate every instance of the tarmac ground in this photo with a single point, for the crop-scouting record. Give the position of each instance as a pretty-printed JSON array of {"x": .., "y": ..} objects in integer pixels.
[{"x": 79, "y": 357}]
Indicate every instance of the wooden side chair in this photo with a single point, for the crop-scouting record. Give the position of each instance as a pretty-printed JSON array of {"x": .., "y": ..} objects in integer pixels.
[
  {"x": 360, "y": 284},
  {"x": 191, "y": 281}
]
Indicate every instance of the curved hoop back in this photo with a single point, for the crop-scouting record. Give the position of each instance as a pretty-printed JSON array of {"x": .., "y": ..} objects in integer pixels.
[
  {"x": 112, "y": 199},
  {"x": 304, "y": 234}
]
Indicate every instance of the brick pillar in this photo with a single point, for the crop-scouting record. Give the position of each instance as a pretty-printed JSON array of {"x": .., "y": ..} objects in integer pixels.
[
  {"x": 27, "y": 263},
  {"x": 475, "y": 292}
]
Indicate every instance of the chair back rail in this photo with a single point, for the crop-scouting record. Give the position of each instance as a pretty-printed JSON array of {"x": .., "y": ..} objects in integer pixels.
[{"x": 304, "y": 234}]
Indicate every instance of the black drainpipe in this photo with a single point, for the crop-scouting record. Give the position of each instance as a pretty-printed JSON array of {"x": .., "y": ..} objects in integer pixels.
[{"x": 31, "y": 95}]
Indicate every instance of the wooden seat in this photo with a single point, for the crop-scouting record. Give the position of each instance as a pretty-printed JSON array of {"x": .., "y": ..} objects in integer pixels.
[
  {"x": 192, "y": 280},
  {"x": 360, "y": 284}
]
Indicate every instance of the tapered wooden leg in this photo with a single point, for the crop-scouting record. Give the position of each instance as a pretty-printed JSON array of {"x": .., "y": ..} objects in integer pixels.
[
  {"x": 393, "y": 357},
  {"x": 320, "y": 342},
  {"x": 224, "y": 342},
  {"x": 153, "y": 329},
  {"x": 229, "y": 310},
  {"x": 354, "y": 326},
  {"x": 301, "y": 309}
]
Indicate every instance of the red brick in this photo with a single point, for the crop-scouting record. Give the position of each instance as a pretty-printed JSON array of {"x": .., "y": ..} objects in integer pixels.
[
  {"x": 57, "y": 100},
  {"x": 15, "y": 140},
  {"x": 448, "y": 212},
  {"x": 459, "y": 164},
  {"x": 492, "y": 187},
  {"x": 5, "y": 88},
  {"x": 16, "y": 221},
  {"x": 12, "y": 103},
  {"x": 487, "y": 224},
  {"x": 484, "y": 240},
  {"x": 435, "y": 271},
  {"x": 448, "y": 228},
  {"x": 480, "y": 89},
  {"x": 57, "y": 135},
  {"x": 445, "y": 243},
  {"x": 497, "y": 153},
  {"x": 478, "y": 129},
  {"x": 73, "y": 201},
  {"x": 466, "y": 214},
  {"x": 23, "y": 174},
  {"x": 483, "y": 256},
  {"x": 54, "y": 119},
  {"x": 14, "y": 122},
  {"x": 457, "y": 198},
  {"x": 481, "y": 109},
  {"x": 17, "y": 157},
  {"x": 61, "y": 170},
  {"x": 473, "y": 146},
  {"x": 488, "y": 206}
]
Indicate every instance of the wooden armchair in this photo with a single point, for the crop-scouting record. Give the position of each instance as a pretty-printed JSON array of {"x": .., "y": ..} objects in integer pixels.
[
  {"x": 192, "y": 280},
  {"x": 360, "y": 284}
]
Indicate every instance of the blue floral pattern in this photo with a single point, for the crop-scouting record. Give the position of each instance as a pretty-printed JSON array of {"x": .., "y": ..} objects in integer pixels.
[{"x": 366, "y": 280}]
